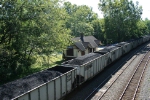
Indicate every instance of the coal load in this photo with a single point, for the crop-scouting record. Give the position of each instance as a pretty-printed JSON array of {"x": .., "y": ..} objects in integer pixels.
[
  {"x": 121, "y": 44},
  {"x": 109, "y": 48},
  {"x": 84, "y": 59},
  {"x": 61, "y": 69},
  {"x": 20, "y": 86},
  {"x": 106, "y": 49}
]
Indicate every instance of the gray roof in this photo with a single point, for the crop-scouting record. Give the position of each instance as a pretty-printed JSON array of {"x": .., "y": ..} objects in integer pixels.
[
  {"x": 80, "y": 46},
  {"x": 85, "y": 44},
  {"x": 88, "y": 41}
]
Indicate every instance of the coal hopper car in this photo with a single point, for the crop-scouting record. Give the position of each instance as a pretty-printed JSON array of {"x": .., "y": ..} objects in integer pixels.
[
  {"x": 50, "y": 84},
  {"x": 87, "y": 66}
]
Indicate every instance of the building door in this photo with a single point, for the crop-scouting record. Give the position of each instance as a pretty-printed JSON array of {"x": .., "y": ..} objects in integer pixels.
[{"x": 82, "y": 53}]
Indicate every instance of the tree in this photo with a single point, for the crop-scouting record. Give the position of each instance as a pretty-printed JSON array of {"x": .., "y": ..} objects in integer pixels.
[
  {"x": 121, "y": 17},
  {"x": 98, "y": 26},
  {"x": 28, "y": 28},
  {"x": 79, "y": 19},
  {"x": 142, "y": 28},
  {"x": 147, "y": 22}
]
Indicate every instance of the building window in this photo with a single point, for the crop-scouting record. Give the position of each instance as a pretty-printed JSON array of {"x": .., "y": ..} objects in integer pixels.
[
  {"x": 82, "y": 53},
  {"x": 90, "y": 50},
  {"x": 70, "y": 52}
]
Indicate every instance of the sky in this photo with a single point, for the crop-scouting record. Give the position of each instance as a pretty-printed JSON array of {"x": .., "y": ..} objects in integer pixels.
[{"x": 94, "y": 4}]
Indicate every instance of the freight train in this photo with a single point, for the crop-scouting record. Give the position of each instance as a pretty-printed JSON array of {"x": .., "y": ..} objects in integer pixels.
[{"x": 55, "y": 83}]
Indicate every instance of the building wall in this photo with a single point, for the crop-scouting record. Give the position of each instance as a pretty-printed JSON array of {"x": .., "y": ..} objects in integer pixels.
[
  {"x": 77, "y": 52},
  {"x": 96, "y": 49},
  {"x": 86, "y": 52}
]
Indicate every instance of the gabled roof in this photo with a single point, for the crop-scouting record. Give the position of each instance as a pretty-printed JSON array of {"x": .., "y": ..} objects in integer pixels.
[
  {"x": 98, "y": 42},
  {"x": 85, "y": 44},
  {"x": 88, "y": 42},
  {"x": 80, "y": 46}
]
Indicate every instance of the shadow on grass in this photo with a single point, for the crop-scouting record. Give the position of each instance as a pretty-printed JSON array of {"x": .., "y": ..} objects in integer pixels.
[{"x": 30, "y": 71}]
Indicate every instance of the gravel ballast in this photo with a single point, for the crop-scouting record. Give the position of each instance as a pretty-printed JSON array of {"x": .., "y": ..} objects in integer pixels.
[
  {"x": 121, "y": 82},
  {"x": 116, "y": 89},
  {"x": 88, "y": 87},
  {"x": 144, "y": 93}
]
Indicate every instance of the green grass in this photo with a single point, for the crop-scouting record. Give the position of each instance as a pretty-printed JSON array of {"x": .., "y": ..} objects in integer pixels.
[{"x": 42, "y": 62}]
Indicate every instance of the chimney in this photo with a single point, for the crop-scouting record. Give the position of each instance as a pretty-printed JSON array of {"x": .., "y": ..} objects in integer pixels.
[{"x": 82, "y": 37}]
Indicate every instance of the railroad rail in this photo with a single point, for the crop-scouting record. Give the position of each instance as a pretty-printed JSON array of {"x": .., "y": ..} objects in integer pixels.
[
  {"x": 132, "y": 86},
  {"x": 107, "y": 88}
]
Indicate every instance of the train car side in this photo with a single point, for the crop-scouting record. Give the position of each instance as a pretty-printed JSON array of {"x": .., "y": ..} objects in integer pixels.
[
  {"x": 52, "y": 89},
  {"x": 88, "y": 66},
  {"x": 71, "y": 74}
]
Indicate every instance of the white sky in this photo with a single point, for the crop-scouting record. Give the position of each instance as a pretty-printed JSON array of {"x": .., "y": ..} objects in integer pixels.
[{"x": 94, "y": 4}]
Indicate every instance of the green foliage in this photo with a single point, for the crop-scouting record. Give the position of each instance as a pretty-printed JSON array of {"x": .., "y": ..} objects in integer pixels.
[
  {"x": 142, "y": 28},
  {"x": 79, "y": 19},
  {"x": 29, "y": 28},
  {"x": 147, "y": 22},
  {"x": 121, "y": 18},
  {"x": 98, "y": 26}
]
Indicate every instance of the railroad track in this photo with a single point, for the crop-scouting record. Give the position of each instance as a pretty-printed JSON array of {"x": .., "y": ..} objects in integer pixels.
[
  {"x": 101, "y": 94},
  {"x": 132, "y": 86}
]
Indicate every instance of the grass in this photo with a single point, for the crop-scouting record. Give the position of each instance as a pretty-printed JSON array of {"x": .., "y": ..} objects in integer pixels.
[{"x": 42, "y": 62}]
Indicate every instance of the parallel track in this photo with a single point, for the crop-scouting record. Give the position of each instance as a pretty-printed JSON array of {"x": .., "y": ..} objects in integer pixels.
[
  {"x": 102, "y": 94},
  {"x": 132, "y": 86}
]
